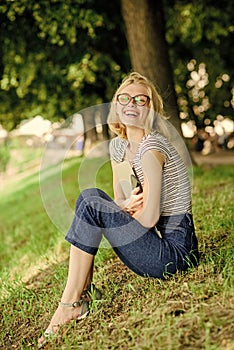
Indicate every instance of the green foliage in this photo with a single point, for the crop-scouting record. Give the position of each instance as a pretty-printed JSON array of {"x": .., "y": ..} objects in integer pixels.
[
  {"x": 58, "y": 57},
  {"x": 59, "y": 62},
  {"x": 200, "y": 35}
]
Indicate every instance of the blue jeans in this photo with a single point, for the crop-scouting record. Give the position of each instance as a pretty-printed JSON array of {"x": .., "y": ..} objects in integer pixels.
[{"x": 140, "y": 248}]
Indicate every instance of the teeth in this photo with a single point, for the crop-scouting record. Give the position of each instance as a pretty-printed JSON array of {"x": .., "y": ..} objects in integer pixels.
[{"x": 131, "y": 113}]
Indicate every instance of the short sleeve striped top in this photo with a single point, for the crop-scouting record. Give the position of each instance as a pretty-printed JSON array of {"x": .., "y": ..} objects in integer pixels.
[{"x": 176, "y": 188}]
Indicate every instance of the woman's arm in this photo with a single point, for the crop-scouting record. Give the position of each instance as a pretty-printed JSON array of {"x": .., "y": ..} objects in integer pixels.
[{"x": 152, "y": 163}]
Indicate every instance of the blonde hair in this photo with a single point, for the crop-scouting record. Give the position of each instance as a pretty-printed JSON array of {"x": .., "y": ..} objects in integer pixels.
[{"x": 156, "y": 110}]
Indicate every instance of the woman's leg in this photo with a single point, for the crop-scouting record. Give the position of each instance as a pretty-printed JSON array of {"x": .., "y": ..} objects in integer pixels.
[
  {"x": 89, "y": 277},
  {"x": 96, "y": 215},
  {"x": 138, "y": 247},
  {"x": 80, "y": 265},
  {"x": 95, "y": 212},
  {"x": 79, "y": 273}
]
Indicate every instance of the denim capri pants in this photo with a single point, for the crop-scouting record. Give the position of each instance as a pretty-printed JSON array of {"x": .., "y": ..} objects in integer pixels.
[{"x": 140, "y": 248}]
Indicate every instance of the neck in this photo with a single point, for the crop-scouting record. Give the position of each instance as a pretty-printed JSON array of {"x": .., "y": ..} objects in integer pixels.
[{"x": 134, "y": 134}]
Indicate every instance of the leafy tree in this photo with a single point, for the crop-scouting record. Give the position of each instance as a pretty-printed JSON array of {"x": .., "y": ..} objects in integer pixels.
[
  {"x": 197, "y": 35},
  {"x": 56, "y": 57},
  {"x": 200, "y": 35}
]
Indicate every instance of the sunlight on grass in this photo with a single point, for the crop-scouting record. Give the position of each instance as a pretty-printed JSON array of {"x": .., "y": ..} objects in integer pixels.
[{"x": 191, "y": 311}]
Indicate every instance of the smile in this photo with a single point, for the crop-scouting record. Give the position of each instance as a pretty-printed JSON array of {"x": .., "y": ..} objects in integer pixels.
[{"x": 131, "y": 114}]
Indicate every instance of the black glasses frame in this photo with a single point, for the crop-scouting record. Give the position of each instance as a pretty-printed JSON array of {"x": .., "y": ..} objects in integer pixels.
[{"x": 134, "y": 99}]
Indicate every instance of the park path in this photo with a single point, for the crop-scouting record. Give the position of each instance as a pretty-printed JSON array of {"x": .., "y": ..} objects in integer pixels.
[{"x": 221, "y": 157}]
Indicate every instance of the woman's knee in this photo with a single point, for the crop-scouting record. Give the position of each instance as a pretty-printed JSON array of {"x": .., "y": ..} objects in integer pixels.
[
  {"x": 85, "y": 196},
  {"x": 90, "y": 192},
  {"x": 90, "y": 195}
]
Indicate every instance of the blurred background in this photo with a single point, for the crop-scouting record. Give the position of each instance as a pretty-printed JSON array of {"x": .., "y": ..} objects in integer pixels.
[
  {"x": 60, "y": 63},
  {"x": 60, "y": 57}
]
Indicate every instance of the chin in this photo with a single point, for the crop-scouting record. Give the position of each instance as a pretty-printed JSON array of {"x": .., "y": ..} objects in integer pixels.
[
  {"x": 132, "y": 122},
  {"x": 135, "y": 125}
]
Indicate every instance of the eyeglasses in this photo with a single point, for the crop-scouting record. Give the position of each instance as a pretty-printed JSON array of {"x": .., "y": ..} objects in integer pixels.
[{"x": 139, "y": 100}]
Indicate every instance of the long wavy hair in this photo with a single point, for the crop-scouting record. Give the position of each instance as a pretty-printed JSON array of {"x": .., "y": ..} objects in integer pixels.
[{"x": 156, "y": 110}]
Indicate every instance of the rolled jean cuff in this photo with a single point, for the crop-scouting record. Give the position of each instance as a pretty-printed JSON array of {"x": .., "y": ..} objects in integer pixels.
[{"x": 85, "y": 248}]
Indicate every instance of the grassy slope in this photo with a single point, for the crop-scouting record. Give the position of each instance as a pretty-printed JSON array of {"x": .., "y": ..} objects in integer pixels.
[{"x": 191, "y": 311}]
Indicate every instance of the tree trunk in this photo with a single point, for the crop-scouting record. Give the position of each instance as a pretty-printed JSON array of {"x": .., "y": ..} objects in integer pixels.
[
  {"x": 93, "y": 117},
  {"x": 145, "y": 31}
]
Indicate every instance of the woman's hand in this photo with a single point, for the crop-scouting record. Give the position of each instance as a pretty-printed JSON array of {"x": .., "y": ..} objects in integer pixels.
[{"x": 135, "y": 201}]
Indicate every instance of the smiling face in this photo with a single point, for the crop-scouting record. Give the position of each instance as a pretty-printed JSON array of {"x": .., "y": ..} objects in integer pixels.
[{"x": 133, "y": 113}]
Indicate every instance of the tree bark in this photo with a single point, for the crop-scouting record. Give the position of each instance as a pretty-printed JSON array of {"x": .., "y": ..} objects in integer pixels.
[{"x": 145, "y": 32}]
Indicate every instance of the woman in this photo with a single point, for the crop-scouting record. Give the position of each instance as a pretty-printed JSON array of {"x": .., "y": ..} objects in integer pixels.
[{"x": 152, "y": 231}]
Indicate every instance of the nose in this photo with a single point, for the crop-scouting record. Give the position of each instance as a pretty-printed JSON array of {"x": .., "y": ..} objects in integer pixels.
[{"x": 132, "y": 101}]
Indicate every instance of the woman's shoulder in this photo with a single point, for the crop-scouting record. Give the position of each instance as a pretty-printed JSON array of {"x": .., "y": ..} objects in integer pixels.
[
  {"x": 118, "y": 143},
  {"x": 156, "y": 136},
  {"x": 156, "y": 141},
  {"x": 117, "y": 148}
]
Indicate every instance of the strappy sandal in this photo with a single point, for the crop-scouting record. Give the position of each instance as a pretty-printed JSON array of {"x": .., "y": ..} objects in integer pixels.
[
  {"x": 49, "y": 334},
  {"x": 91, "y": 293}
]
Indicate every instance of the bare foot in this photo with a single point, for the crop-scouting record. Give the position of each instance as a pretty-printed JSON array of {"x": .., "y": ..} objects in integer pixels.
[{"x": 62, "y": 315}]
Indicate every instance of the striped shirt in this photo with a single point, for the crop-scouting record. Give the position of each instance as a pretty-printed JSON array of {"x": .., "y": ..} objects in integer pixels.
[{"x": 176, "y": 189}]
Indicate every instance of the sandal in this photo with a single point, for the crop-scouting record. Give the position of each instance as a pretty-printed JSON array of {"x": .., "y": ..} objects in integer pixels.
[
  {"x": 91, "y": 293},
  {"x": 50, "y": 333}
]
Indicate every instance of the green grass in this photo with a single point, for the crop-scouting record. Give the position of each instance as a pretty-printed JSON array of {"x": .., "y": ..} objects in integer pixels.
[{"x": 189, "y": 311}]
